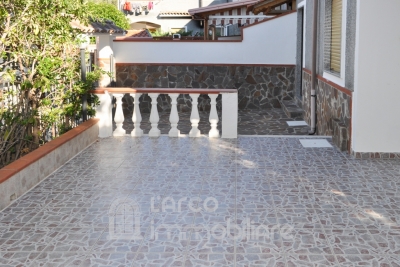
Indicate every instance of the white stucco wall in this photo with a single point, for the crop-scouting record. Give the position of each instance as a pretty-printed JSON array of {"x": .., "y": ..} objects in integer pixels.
[
  {"x": 271, "y": 42},
  {"x": 105, "y": 45},
  {"x": 376, "y": 101}
]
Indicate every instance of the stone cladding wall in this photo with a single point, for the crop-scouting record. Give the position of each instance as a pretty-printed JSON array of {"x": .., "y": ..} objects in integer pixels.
[
  {"x": 259, "y": 87},
  {"x": 333, "y": 110}
]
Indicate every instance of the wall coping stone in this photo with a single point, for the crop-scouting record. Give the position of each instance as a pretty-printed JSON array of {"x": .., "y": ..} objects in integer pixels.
[
  {"x": 127, "y": 90},
  {"x": 338, "y": 87},
  {"x": 13, "y": 168}
]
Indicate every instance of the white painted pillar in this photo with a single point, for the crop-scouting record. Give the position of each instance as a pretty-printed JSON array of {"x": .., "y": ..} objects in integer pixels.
[
  {"x": 154, "y": 118},
  {"x": 229, "y": 115},
  {"x": 119, "y": 116},
  {"x": 194, "y": 116},
  {"x": 136, "y": 117},
  {"x": 174, "y": 117},
  {"x": 213, "y": 116},
  {"x": 104, "y": 113},
  {"x": 105, "y": 58}
]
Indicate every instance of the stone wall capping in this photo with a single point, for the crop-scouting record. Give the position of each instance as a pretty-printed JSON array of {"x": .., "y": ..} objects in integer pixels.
[
  {"x": 42, "y": 151},
  {"x": 46, "y": 159},
  {"x": 338, "y": 87},
  {"x": 123, "y": 90},
  {"x": 207, "y": 65}
]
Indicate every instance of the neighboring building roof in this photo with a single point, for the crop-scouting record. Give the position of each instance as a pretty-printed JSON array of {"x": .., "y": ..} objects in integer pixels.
[
  {"x": 221, "y": 7},
  {"x": 138, "y": 33},
  {"x": 174, "y": 14},
  {"x": 98, "y": 27},
  {"x": 267, "y": 6},
  {"x": 254, "y": 7},
  {"x": 229, "y": 13}
]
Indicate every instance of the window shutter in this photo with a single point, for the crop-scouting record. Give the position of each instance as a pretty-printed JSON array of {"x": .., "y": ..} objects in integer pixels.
[{"x": 336, "y": 35}]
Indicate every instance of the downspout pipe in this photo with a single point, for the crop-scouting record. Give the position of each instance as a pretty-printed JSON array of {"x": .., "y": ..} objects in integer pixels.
[{"x": 314, "y": 69}]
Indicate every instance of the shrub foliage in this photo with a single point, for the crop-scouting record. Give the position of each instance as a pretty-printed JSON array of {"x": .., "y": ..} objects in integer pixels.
[{"x": 40, "y": 87}]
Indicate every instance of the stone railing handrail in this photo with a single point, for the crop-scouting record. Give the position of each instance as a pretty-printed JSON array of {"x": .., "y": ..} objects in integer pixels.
[
  {"x": 104, "y": 111},
  {"x": 124, "y": 90}
]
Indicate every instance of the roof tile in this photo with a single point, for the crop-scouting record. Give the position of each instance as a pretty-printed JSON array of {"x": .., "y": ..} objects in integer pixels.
[
  {"x": 107, "y": 26},
  {"x": 138, "y": 33}
]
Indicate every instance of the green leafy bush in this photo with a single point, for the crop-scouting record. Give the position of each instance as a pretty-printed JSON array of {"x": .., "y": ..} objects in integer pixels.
[
  {"x": 105, "y": 11},
  {"x": 41, "y": 69}
]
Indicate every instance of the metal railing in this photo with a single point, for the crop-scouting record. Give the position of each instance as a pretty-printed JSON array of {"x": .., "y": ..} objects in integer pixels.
[{"x": 15, "y": 138}]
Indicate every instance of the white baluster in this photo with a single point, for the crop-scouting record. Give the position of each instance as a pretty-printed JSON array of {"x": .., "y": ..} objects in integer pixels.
[
  {"x": 104, "y": 113},
  {"x": 194, "y": 116},
  {"x": 119, "y": 116},
  {"x": 213, "y": 116},
  {"x": 174, "y": 117},
  {"x": 136, "y": 117},
  {"x": 229, "y": 115},
  {"x": 154, "y": 118}
]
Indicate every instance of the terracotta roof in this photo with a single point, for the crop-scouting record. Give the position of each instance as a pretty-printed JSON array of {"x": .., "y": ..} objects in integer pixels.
[
  {"x": 138, "y": 33},
  {"x": 267, "y": 6},
  {"x": 98, "y": 27},
  {"x": 174, "y": 14},
  {"x": 220, "y": 7}
]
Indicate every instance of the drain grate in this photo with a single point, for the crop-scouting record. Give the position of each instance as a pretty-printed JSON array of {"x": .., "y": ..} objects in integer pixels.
[
  {"x": 315, "y": 143},
  {"x": 296, "y": 123}
]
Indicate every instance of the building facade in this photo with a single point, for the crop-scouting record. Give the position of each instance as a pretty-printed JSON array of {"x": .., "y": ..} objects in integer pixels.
[
  {"x": 167, "y": 15},
  {"x": 356, "y": 73}
]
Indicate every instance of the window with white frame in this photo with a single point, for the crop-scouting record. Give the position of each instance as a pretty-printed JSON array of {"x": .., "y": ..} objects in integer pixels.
[
  {"x": 221, "y": 30},
  {"x": 336, "y": 36},
  {"x": 335, "y": 40}
]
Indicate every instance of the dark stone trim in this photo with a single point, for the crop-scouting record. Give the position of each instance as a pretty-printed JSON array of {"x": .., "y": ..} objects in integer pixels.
[
  {"x": 375, "y": 155},
  {"x": 208, "y": 65},
  {"x": 340, "y": 88}
]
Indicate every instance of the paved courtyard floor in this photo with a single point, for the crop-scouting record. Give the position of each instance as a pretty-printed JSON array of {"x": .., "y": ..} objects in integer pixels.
[
  {"x": 253, "y": 201},
  {"x": 250, "y": 122}
]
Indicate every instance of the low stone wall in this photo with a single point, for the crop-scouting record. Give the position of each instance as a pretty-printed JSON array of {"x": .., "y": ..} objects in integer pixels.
[
  {"x": 259, "y": 86},
  {"x": 375, "y": 155},
  {"x": 333, "y": 111},
  {"x": 24, "y": 173}
]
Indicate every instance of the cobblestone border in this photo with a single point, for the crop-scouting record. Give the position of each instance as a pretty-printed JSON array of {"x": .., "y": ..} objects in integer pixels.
[{"x": 375, "y": 155}]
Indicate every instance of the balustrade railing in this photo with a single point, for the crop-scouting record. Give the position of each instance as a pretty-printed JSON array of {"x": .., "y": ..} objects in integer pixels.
[{"x": 104, "y": 111}]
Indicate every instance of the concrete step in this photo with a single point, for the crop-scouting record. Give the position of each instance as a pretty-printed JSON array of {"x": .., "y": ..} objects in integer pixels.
[{"x": 291, "y": 109}]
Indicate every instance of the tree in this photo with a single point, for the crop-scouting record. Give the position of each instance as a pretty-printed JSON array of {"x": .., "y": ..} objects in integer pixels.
[
  {"x": 40, "y": 62},
  {"x": 113, "y": 2},
  {"x": 100, "y": 11}
]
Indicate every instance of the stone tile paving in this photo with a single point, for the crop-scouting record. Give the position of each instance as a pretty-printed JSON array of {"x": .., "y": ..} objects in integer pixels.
[
  {"x": 251, "y": 122},
  {"x": 253, "y": 201}
]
